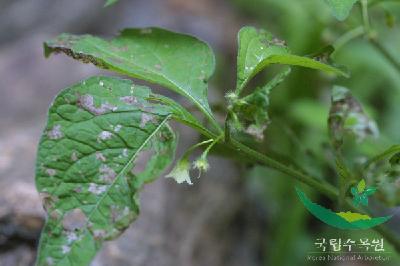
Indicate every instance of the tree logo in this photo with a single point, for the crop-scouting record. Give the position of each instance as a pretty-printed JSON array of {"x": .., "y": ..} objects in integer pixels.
[{"x": 346, "y": 220}]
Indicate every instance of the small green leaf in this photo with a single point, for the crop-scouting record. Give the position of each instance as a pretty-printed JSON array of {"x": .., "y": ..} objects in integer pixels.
[
  {"x": 341, "y": 8},
  {"x": 102, "y": 142},
  {"x": 176, "y": 61},
  {"x": 346, "y": 116},
  {"x": 258, "y": 49},
  {"x": 354, "y": 191},
  {"x": 364, "y": 200},
  {"x": 110, "y": 2},
  {"x": 361, "y": 186},
  {"x": 370, "y": 191}
]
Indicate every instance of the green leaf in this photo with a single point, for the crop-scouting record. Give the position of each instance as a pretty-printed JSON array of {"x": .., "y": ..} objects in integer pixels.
[
  {"x": 252, "y": 110},
  {"x": 354, "y": 191},
  {"x": 364, "y": 200},
  {"x": 341, "y": 8},
  {"x": 369, "y": 191},
  {"x": 346, "y": 116},
  {"x": 258, "y": 49},
  {"x": 102, "y": 142},
  {"x": 177, "y": 61},
  {"x": 110, "y": 2},
  {"x": 361, "y": 186}
]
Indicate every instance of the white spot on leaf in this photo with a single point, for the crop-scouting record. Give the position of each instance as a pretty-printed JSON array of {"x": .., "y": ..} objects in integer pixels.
[
  {"x": 100, "y": 156},
  {"x": 107, "y": 174},
  {"x": 55, "y": 132},
  {"x": 51, "y": 172},
  {"x": 131, "y": 100},
  {"x": 104, "y": 135},
  {"x": 74, "y": 156},
  {"x": 65, "y": 249},
  {"x": 146, "y": 118},
  {"x": 87, "y": 103},
  {"x": 97, "y": 189},
  {"x": 117, "y": 128}
]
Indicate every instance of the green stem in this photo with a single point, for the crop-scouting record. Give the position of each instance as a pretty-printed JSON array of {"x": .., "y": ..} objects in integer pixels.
[
  {"x": 348, "y": 36},
  {"x": 365, "y": 16},
  {"x": 320, "y": 185},
  {"x": 227, "y": 128},
  {"x": 392, "y": 150},
  {"x": 343, "y": 178}
]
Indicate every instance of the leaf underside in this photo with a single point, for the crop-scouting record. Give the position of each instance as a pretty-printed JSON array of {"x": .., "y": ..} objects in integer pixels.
[
  {"x": 176, "y": 61},
  {"x": 341, "y": 8},
  {"x": 102, "y": 142},
  {"x": 258, "y": 49}
]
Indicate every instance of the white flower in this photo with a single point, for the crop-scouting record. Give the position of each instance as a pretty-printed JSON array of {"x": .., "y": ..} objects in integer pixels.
[{"x": 181, "y": 171}]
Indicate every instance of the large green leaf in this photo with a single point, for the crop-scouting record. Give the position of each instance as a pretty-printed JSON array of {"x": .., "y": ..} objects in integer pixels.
[
  {"x": 177, "y": 61},
  {"x": 341, "y": 8},
  {"x": 102, "y": 142},
  {"x": 258, "y": 49}
]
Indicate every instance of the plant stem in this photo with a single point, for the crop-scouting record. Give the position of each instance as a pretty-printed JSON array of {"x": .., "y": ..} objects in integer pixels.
[
  {"x": 344, "y": 177},
  {"x": 372, "y": 36},
  {"x": 365, "y": 16},
  {"x": 392, "y": 150},
  {"x": 348, "y": 36},
  {"x": 322, "y": 186}
]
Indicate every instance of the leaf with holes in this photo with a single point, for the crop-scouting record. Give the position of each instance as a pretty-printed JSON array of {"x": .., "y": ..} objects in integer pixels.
[
  {"x": 347, "y": 116},
  {"x": 259, "y": 49},
  {"x": 102, "y": 142},
  {"x": 341, "y": 8},
  {"x": 252, "y": 110},
  {"x": 177, "y": 61}
]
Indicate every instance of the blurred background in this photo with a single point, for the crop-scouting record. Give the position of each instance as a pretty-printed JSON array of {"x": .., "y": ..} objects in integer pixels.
[{"x": 237, "y": 214}]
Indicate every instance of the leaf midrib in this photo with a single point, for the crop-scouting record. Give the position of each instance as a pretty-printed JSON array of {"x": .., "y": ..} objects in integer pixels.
[{"x": 120, "y": 174}]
